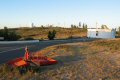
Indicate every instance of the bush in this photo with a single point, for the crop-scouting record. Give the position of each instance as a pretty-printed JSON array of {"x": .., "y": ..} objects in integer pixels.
[
  {"x": 9, "y": 35},
  {"x": 1, "y": 33},
  {"x": 12, "y": 36},
  {"x": 51, "y": 35},
  {"x": 28, "y": 38},
  {"x": 41, "y": 39}
]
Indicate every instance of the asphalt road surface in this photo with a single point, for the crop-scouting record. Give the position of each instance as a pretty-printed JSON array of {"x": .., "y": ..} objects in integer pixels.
[{"x": 12, "y": 51}]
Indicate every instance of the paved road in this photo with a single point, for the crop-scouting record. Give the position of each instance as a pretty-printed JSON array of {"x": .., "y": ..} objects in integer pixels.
[{"x": 12, "y": 51}]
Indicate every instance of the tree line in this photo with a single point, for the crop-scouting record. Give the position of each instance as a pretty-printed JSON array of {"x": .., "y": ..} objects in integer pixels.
[
  {"x": 84, "y": 26},
  {"x": 9, "y": 35}
]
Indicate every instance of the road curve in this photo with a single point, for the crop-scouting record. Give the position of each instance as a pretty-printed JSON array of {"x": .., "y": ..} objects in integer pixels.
[{"x": 12, "y": 51}]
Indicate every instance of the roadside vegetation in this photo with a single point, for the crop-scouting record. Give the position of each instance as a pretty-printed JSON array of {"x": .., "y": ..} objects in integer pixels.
[
  {"x": 47, "y": 32},
  {"x": 9, "y": 35},
  {"x": 51, "y": 35},
  {"x": 96, "y": 60},
  {"x": 42, "y": 33}
]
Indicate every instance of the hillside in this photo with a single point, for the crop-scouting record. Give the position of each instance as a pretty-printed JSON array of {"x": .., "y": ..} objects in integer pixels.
[
  {"x": 41, "y": 33},
  {"x": 97, "y": 60}
]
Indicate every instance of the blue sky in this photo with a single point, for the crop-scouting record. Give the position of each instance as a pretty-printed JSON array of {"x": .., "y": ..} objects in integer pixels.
[{"x": 16, "y": 13}]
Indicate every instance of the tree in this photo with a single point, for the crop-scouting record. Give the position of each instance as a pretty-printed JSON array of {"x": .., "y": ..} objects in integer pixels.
[
  {"x": 1, "y": 33},
  {"x": 84, "y": 26},
  {"x": 54, "y": 33},
  {"x": 5, "y": 32},
  {"x": 119, "y": 29},
  {"x": 42, "y": 26},
  {"x": 51, "y": 35},
  {"x": 118, "y": 32},
  {"x": 74, "y": 26},
  {"x": 80, "y": 24},
  {"x": 12, "y": 36}
]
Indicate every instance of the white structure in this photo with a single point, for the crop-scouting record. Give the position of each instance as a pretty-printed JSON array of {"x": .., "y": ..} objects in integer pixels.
[{"x": 101, "y": 33}]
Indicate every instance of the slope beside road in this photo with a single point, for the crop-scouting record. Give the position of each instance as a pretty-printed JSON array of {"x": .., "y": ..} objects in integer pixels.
[{"x": 12, "y": 51}]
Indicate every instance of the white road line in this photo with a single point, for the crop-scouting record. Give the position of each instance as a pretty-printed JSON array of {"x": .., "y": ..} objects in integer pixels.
[
  {"x": 14, "y": 49},
  {"x": 11, "y": 50}
]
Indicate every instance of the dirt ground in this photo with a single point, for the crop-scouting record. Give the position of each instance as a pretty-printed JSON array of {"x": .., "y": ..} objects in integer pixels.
[{"x": 96, "y": 60}]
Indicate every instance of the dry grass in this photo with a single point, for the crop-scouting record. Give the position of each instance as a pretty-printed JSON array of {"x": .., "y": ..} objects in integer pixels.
[
  {"x": 41, "y": 33},
  {"x": 97, "y": 60}
]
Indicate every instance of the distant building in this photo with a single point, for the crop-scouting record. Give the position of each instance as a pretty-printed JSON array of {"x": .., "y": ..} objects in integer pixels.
[{"x": 101, "y": 33}]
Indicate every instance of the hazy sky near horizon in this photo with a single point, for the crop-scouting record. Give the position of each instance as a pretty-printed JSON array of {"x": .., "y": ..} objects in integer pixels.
[{"x": 16, "y": 13}]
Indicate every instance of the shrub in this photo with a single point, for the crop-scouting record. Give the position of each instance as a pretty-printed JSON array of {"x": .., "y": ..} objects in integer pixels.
[
  {"x": 12, "y": 36},
  {"x": 41, "y": 39},
  {"x": 1, "y": 33},
  {"x": 51, "y": 35},
  {"x": 9, "y": 35},
  {"x": 28, "y": 38}
]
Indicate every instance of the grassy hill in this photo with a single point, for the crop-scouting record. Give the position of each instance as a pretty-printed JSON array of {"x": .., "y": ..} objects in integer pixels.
[
  {"x": 41, "y": 33},
  {"x": 96, "y": 60}
]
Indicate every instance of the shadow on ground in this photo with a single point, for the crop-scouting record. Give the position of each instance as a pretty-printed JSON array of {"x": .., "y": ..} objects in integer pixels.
[{"x": 62, "y": 61}]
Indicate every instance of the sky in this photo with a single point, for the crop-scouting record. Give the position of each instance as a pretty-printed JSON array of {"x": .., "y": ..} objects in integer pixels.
[{"x": 18, "y": 13}]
